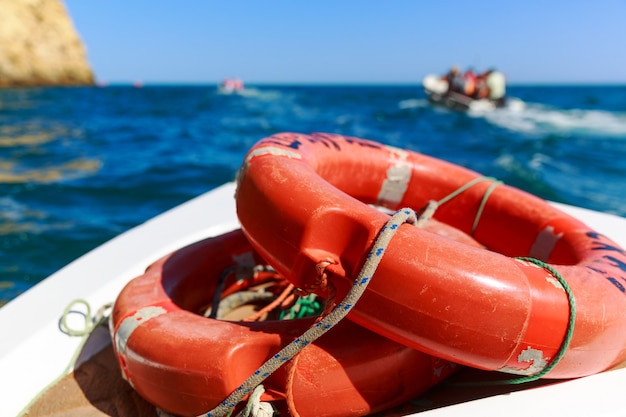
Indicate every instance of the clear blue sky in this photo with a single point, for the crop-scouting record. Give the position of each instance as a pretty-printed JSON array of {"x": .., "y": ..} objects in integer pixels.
[{"x": 351, "y": 41}]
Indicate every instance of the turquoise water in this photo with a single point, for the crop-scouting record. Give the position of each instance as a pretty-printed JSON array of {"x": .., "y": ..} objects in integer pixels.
[{"x": 79, "y": 166}]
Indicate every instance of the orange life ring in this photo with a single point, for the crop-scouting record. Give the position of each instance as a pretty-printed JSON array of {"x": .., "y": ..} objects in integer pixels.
[
  {"x": 187, "y": 364},
  {"x": 300, "y": 199}
]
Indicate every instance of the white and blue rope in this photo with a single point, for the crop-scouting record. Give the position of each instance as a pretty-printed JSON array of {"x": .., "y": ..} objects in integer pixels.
[{"x": 405, "y": 215}]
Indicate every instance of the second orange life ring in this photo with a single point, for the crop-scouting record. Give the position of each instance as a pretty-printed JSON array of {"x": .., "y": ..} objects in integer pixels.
[
  {"x": 303, "y": 199},
  {"x": 187, "y": 364}
]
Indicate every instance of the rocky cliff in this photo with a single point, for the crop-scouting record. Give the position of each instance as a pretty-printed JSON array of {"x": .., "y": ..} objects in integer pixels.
[{"x": 39, "y": 45}]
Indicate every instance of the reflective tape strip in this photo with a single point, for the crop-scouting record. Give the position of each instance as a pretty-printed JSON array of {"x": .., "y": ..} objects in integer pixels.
[
  {"x": 268, "y": 150},
  {"x": 544, "y": 244},
  {"x": 129, "y": 324},
  {"x": 397, "y": 181},
  {"x": 272, "y": 150}
]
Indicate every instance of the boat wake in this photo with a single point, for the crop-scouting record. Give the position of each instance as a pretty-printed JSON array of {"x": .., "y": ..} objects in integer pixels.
[
  {"x": 413, "y": 103},
  {"x": 538, "y": 119},
  {"x": 257, "y": 93}
]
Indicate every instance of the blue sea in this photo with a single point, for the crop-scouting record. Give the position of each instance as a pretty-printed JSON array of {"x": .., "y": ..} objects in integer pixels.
[{"x": 80, "y": 165}]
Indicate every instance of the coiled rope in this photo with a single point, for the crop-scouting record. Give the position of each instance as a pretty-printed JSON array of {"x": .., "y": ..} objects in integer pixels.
[{"x": 89, "y": 325}]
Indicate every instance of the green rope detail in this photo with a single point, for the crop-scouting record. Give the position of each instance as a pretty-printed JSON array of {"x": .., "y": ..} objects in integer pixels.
[
  {"x": 483, "y": 201},
  {"x": 307, "y": 306},
  {"x": 566, "y": 340}
]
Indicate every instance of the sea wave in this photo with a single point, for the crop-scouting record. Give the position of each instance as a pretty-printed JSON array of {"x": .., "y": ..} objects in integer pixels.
[
  {"x": 11, "y": 173},
  {"x": 16, "y": 217},
  {"x": 538, "y": 119},
  {"x": 257, "y": 93},
  {"x": 413, "y": 103},
  {"x": 79, "y": 166}
]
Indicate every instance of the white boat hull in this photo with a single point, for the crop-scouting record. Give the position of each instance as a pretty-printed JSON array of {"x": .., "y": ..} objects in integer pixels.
[{"x": 33, "y": 351}]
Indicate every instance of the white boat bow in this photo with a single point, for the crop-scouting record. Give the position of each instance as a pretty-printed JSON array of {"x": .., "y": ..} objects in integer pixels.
[{"x": 33, "y": 350}]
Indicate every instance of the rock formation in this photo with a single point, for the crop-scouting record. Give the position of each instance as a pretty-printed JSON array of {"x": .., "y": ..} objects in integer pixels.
[{"x": 39, "y": 46}]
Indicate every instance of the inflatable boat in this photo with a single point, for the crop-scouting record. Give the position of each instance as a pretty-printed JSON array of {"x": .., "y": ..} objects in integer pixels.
[{"x": 438, "y": 92}]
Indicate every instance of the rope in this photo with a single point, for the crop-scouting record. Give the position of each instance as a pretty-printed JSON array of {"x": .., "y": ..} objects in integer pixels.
[
  {"x": 566, "y": 340},
  {"x": 271, "y": 306},
  {"x": 570, "y": 323},
  {"x": 245, "y": 273},
  {"x": 370, "y": 265},
  {"x": 90, "y": 324},
  {"x": 238, "y": 299},
  {"x": 483, "y": 201},
  {"x": 555, "y": 273},
  {"x": 256, "y": 408},
  {"x": 218, "y": 291},
  {"x": 427, "y": 213}
]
